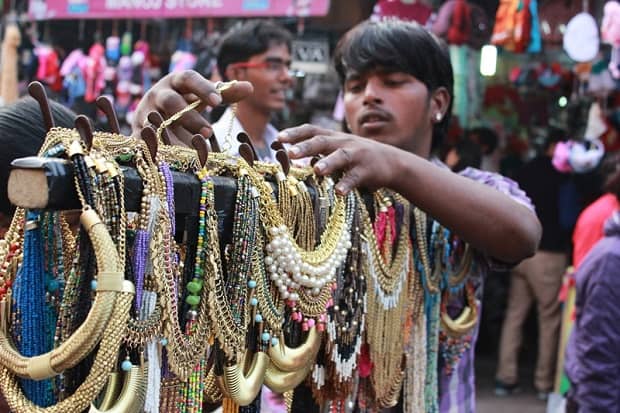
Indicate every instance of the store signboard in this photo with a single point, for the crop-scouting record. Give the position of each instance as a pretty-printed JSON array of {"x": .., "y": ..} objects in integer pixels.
[
  {"x": 310, "y": 56},
  {"x": 123, "y": 9}
]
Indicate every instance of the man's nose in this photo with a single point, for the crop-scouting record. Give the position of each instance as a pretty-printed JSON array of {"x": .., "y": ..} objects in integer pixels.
[
  {"x": 285, "y": 76},
  {"x": 372, "y": 92}
]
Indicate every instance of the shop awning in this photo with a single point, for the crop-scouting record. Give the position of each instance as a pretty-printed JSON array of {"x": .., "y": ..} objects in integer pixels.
[{"x": 158, "y": 9}]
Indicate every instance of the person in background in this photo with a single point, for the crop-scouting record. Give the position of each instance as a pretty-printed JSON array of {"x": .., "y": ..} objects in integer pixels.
[
  {"x": 464, "y": 154},
  {"x": 589, "y": 227},
  {"x": 258, "y": 52},
  {"x": 592, "y": 359},
  {"x": 487, "y": 139},
  {"x": 537, "y": 279}
]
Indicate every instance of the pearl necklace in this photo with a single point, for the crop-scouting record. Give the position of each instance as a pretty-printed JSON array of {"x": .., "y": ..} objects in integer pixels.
[{"x": 289, "y": 271}]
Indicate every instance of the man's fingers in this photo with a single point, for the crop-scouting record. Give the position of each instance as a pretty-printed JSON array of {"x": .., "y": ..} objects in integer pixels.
[
  {"x": 171, "y": 102},
  {"x": 299, "y": 133},
  {"x": 190, "y": 81},
  {"x": 240, "y": 90},
  {"x": 180, "y": 136},
  {"x": 317, "y": 145},
  {"x": 350, "y": 180},
  {"x": 339, "y": 160}
]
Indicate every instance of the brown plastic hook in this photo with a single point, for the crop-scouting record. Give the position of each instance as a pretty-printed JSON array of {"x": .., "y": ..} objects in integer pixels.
[
  {"x": 277, "y": 145},
  {"x": 243, "y": 137},
  {"x": 282, "y": 157},
  {"x": 247, "y": 153},
  {"x": 37, "y": 91},
  {"x": 85, "y": 129},
  {"x": 149, "y": 136},
  {"x": 215, "y": 145},
  {"x": 105, "y": 105},
  {"x": 200, "y": 144},
  {"x": 156, "y": 119}
]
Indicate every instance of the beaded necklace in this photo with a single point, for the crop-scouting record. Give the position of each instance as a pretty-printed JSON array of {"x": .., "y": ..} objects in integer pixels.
[
  {"x": 334, "y": 374},
  {"x": 392, "y": 283},
  {"x": 99, "y": 323}
]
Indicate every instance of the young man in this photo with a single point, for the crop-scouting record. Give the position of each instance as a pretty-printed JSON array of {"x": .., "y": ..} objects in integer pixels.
[
  {"x": 258, "y": 52},
  {"x": 397, "y": 83}
]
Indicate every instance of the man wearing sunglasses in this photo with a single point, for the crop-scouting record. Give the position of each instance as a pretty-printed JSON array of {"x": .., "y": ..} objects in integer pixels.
[{"x": 257, "y": 52}]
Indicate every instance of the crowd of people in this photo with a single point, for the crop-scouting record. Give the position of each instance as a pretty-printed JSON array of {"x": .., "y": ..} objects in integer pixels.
[{"x": 397, "y": 88}]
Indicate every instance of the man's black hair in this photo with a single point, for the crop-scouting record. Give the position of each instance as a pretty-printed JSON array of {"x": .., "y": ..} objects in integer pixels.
[
  {"x": 485, "y": 137},
  {"x": 251, "y": 38},
  {"x": 470, "y": 155},
  {"x": 22, "y": 133},
  {"x": 395, "y": 45}
]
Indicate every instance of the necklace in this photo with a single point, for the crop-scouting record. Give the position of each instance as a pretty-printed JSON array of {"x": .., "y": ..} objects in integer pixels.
[{"x": 394, "y": 289}]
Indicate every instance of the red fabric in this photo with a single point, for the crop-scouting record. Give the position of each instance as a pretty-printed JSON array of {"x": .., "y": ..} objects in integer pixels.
[
  {"x": 589, "y": 228},
  {"x": 460, "y": 24},
  {"x": 93, "y": 73},
  {"x": 49, "y": 68},
  {"x": 395, "y": 8},
  {"x": 523, "y": 26},
  {"x": 364, "y": 363},
  {"x": 504, "y": 22}
]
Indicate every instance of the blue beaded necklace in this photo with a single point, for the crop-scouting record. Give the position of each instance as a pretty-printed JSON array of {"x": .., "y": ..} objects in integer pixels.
[{"x": 31, "y": 306}]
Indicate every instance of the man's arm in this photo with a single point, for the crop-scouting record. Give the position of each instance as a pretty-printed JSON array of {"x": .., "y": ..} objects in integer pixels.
[{"x": 490, "y": 221}]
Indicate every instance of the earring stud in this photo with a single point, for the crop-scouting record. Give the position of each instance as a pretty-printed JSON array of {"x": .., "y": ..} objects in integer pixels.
[{"x": 438, "y": 117}]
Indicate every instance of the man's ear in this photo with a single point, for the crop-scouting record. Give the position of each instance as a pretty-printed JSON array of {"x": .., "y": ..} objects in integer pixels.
[{"x": 440, "y": 101}]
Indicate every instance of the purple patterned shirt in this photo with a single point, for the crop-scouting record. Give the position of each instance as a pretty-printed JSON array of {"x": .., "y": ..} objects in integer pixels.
[{"x": 457, "y": 391}]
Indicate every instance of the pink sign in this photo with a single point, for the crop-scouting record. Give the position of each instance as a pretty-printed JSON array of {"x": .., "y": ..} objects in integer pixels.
[{"x": 122, "y": 9}]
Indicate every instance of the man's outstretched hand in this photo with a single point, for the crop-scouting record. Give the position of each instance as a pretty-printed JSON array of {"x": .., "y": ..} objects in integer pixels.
[
  {"x": 174, "y": 92},
  {"x": 363, "y": 162}
]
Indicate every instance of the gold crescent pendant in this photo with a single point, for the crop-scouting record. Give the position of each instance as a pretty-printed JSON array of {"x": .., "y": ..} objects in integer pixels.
[
  {"x": 282, "y": 381},
  {"x": 132, "y": 396},
  {"x": 241, "y": 386},
  {"x": 293, "y": 359},
  {"x": 464, "y": 324},
  {"x": 111, "y": 392},
  {"x": 110, "y": 281}
]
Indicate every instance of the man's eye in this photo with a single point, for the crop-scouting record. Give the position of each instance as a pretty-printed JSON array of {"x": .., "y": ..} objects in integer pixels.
[
  {"x": 355, "y": 87},
  {"x": 393, "y": 81}
]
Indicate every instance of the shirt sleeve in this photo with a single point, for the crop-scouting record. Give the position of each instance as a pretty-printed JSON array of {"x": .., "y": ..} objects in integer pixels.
[
  {"x": 598, "y": 340},
  {"x": 506, "y": 186},
  {"x": 501, "y": 183}
]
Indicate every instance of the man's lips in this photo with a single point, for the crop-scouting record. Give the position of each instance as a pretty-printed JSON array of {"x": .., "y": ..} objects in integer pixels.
[{"x": 373, "y": 119}]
